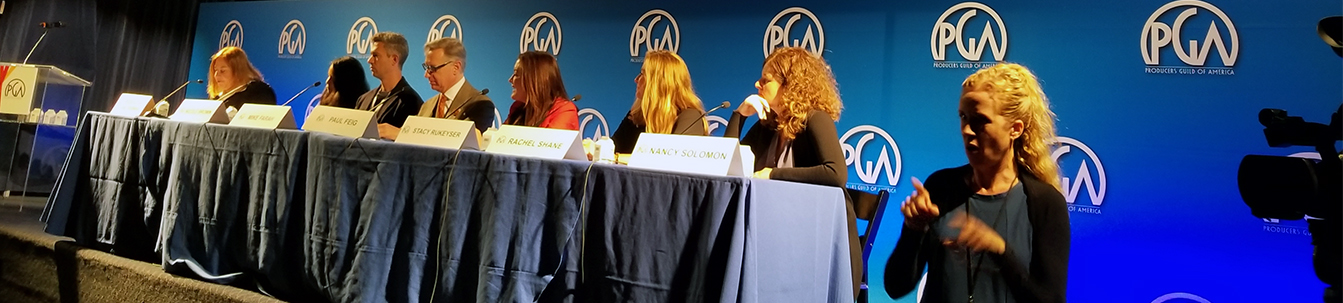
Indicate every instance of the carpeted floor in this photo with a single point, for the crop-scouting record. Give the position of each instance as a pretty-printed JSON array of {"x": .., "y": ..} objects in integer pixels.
[{"x": 38, "y": 267}]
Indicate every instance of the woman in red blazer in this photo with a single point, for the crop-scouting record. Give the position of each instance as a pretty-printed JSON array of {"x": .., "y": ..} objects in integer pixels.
[{"x": 539, "y": 98}]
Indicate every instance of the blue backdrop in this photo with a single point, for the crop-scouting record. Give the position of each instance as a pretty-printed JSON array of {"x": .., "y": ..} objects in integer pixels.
[{"x": 1157, "y": 101}]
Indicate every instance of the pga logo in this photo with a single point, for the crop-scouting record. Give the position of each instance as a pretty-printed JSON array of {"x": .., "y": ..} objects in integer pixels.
[
  {"x": 992, "y": 36},
  {"x": 498, "y": 121},
  {"x": 1084, "y": 178},
  {"x": 590, "y": 116},
  {"x": 1180, "y": 297},
  {"x": 360, "y": 40},
  {"x": 293, "y": 37},
  {"x": 786, "y": 31},
  {"x": 532, "y": 37},
  {"x": 232, "y": 35},
  {"x": 644, "y": 38},
  {"x": 446, "y": 26},
  {"x": 1158, "y": 35},
  {"x": 858, "y": 154},
  {"x": 316, "y": 100},
  {"x": 15, "y": 88}
]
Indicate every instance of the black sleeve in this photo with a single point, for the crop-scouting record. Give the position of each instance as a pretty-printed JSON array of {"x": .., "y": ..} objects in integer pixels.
[
  {"x": 734, "y": 123},
  {"x": 757, "y": 137},
  {"x": 365, "y": 99},
  {"x": 1047, "y": 278},
  {"x": 256, "y": 92},
  {"x": 481, "y": 112},
  {"x": 406, "y": 105},
  {"x": 905, "y": 267},
  {"x": 917, "y": 248},
  {"x": 260, "y": 93},
  {"x": 688, "y": 122},
  {"x": 626, "y": 135},
  {"x": 831, "y": 171}
]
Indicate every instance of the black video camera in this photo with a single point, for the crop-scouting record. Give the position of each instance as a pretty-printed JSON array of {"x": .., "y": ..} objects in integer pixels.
[{"x": 1290, "y": 188}]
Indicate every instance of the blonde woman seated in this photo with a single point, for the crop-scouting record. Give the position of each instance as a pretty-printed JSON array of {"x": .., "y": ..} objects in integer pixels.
[
  {"x": 664, "y": 103},
  {"x": 235, "y": 81}
]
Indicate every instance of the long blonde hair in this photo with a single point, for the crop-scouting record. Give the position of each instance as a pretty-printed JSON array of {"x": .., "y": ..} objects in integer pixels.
[
  {"x": 806, "y": 83},
  {"x": 236, "y": 59},
  {"x": 1020, "y": 97},
  {"x": 667, "y": 91}
]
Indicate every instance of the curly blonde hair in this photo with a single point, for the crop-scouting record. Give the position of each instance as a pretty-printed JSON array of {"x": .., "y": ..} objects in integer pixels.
[
  {"x": 805, "y": 84},
  {"x": 1020, "y": 97}
]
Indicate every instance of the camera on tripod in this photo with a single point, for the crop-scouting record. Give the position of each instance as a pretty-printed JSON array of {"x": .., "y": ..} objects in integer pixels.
[{"x": 1290, "y": 188}]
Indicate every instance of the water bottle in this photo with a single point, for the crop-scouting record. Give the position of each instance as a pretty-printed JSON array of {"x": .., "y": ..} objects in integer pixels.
[{"x": 605, "y": 150}]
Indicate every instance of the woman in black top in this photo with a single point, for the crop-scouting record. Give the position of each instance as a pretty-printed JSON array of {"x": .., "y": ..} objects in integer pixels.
[
  {"x": 995, "y": 230},
  {"x": 665, "y": 102},
  {"x": 344, "y": 83},
  {"x": 235, "y": 81},
  {"x": 795, "y": 139}
]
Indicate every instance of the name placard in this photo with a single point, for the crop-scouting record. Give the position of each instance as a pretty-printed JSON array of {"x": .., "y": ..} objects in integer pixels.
[
  {"x": 341, "y": 122},
  {"x": 537, "y": 142},
  {"x": 690, "y": 154},
  {"x": 130, "y": 105},
  {"x": 200, "y": 111},
  {"x": 445, "y": 133},
  {"x": 264, "y": 116}
]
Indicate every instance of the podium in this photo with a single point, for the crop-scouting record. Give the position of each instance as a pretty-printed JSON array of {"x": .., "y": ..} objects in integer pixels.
[{"x": 39, "y": 108}]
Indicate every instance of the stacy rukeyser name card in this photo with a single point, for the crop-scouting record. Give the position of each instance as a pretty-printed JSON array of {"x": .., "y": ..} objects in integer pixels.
[
  {"x": 445, "y": 133},
  {"x": 691, "y": 154},
  {"x": 537, "y": 142},
  {"x": 200, "y": 111},
  {"x": 341, "y": 122},
  {"x": 264, "y": 116}
]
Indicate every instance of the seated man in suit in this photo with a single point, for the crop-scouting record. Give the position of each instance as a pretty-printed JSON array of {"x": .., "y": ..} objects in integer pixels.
[
  {"x": 444, "y": 66},
  {"x": 394, "y": 99}
]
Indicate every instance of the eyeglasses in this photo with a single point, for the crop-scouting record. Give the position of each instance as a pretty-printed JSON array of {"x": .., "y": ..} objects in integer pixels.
[{"x": 431, "y": 69}]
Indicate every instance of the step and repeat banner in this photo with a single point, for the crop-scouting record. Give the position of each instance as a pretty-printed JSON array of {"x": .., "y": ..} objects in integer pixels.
[{"x": 1157, "y": 101}]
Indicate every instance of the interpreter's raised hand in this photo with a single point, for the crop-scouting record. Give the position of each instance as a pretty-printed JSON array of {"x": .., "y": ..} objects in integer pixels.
[
  {"x": 918, "y": 208},
  {"x": 975, "y": 235}
]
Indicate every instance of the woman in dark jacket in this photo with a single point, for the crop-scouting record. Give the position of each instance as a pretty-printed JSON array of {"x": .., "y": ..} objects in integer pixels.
[{"x": 995, "y": 230}]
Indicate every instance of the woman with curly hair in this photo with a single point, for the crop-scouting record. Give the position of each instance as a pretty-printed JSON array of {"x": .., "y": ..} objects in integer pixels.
[
  {"x": 795, "y": 138},
  {"x": 995, "y": 230}
]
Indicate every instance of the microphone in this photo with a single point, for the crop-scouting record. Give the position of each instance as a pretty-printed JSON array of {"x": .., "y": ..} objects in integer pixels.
[
  {"x": 179, "y": 88},
  {"x": 300, "y": 93},
  {"x": 45, "y": 26},
  {"x": 161, "y": 108},
  {"x": 701, "y": 117},
  {"x": 485, "y": 91},
  {"x": 576, "y": 98}
]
